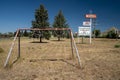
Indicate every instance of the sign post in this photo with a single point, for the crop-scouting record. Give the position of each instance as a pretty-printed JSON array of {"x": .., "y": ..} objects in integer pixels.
[
  {"x": 90, "y": 30},
  {"x": 86, "y": 23},
  {"x": 84, "y": 31},
  {"x": 90, "y": 16}
]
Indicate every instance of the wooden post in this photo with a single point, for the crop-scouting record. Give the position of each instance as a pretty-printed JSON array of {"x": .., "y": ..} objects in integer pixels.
[
  {"x": 82, "y": 39},
  {"x": 71, "y": 43},
  {"x": 11, "y": 48},
  {"x": 18, "y": 45},
  {"x": 77, "y": 53}
]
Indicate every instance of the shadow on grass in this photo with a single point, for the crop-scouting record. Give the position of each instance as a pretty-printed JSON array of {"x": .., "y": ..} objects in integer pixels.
[
  {"x": 82, "y": 43},
  {"x": 65, "y": 61},
  {"x": 9, "y": 66},
  {"x": 38, "y": 42},
  {"x": 58, "y": 41}
]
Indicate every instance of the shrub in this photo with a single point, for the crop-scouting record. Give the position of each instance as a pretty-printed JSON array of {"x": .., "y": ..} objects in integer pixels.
[
  {"x": 111, "y": 34},
  {"x": 117, "y": 46},
  {"x": 1, "y": 50}
]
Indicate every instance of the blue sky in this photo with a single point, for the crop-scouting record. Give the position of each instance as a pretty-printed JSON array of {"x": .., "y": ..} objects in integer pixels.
[{"x": 16, "y": 14}]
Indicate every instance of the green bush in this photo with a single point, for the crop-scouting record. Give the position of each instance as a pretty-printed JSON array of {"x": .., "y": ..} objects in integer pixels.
[
  {"x": 1, "y": 50},
  {"x": 111, "y": 34},
  {"x": 117, "y": 46}
]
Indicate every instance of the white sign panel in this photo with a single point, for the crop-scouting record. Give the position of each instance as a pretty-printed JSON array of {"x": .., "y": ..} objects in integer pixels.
[
  {"x": 84, "y": 31},
  {"x": 86, "y": 23}
]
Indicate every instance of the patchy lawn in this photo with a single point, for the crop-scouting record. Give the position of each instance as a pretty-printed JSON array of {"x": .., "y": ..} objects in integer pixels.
[{"x": 52, "y": 60}]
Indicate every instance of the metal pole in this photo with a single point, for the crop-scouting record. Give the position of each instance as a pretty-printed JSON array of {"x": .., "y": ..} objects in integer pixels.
[
  {"x": 90, "y": 30},
  {"x": 78, "y": 36},
  {"x": 93, "y": 25},
  {"x": 94, "y": 32},
  {"x": 82, "y": 39}
]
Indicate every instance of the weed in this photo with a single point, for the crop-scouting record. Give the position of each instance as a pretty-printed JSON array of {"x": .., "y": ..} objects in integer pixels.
[
  {"x": 1, "y": 50},
  {"x": 117, "y": 46}
]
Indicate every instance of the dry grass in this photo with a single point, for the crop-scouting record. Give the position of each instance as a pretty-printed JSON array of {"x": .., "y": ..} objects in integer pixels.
[{"x": 52, "y": 60}]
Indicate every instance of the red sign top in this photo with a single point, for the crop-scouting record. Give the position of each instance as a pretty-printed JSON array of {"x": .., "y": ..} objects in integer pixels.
[{"x": 90, "y": 16}]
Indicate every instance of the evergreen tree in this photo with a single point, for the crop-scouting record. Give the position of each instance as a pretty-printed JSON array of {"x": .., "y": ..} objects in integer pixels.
[
  {"x": 41, "y": 21},
  {"x": 97, "y": 33},
  {"x": 26, "y": 34},
  {"x": 111, "y": 34},
  {"x": 60, "y": 22},
  {"x": 0, "y": 34},
  {"x": 10, "y": 34}
]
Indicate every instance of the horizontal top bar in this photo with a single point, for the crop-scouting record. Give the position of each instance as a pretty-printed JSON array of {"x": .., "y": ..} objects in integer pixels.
[{"x": 44, "y": 29}]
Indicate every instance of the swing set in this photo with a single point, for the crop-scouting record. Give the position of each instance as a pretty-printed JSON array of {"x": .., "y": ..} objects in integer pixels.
[{"x": 73, "y": 43}]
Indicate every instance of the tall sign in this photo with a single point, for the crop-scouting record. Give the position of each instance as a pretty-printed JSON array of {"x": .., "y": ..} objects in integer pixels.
[
  {"x": 87, "y": 29},
  {"x": 84, "y": 31},
  {"x": 86, "y": 23},
  {"x": 91, "y": 16}
]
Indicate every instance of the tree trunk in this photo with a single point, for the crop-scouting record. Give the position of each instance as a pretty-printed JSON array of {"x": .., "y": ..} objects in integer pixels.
[
  {"x": 58, "y": 37},
  {"x": 40, "y": 39},
  {"x": 40, "y": 35}
]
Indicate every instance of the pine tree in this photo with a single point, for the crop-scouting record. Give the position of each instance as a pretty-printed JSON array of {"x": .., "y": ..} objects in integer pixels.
[
  {"x": 59, "y": 22},
  {"x": 41, "y": 21},
  {"x": 96, "y": 33},
  {"x": 26, "y": 34}
]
